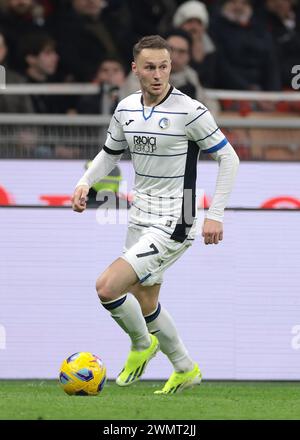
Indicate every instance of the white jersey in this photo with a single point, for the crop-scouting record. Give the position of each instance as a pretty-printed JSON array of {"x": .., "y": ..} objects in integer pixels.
[{"x": 164, "y": 158}]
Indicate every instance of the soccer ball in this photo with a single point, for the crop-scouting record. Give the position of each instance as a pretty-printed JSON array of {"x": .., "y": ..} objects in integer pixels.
[{"x": 82, "y": 374}]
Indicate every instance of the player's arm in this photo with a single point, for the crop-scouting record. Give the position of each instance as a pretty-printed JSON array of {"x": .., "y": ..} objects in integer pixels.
[
  {"x": 102, "y": 165},
  {"x": 202, "y": 129},
  {"x": 228, "y": 165}
]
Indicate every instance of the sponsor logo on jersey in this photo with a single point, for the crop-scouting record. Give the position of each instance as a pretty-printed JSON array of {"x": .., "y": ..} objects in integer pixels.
[
  {"x": 164, "y": 123},
  {"x": 144, "y": 144}
]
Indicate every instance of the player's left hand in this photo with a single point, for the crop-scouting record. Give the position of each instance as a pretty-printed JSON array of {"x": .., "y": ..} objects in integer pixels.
[{"x": 212, "y": 231}]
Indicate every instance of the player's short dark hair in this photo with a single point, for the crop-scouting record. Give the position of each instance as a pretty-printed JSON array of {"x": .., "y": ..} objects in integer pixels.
[{"x": 150, "y": 42}]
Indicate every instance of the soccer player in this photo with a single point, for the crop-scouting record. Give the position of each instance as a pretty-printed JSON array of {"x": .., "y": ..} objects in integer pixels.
[{"x": 157, "y": 125}]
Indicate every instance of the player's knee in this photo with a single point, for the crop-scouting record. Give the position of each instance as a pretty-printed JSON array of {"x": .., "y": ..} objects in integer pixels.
[{"x": 105, "y": 289}]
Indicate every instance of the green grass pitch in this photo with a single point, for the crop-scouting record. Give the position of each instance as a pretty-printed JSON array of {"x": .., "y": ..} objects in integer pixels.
[{"x": 37, "y": 399}]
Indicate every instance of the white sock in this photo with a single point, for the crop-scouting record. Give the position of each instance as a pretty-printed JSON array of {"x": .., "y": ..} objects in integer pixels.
[
  {"x": 162, "y": 325},
  {"x": 127, "y": 312}
]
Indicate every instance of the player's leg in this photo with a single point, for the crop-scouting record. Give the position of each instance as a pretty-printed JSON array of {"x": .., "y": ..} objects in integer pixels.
[
  {"x": 115, "y": 280},
  {"x": 112, "y": 287},
  {"x": 147, "y": 296},
  {"x": 186, "y": 371},
  {"x": 160, "y": 323}
]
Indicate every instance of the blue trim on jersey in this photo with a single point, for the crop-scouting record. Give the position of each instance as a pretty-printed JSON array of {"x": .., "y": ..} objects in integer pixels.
[
  {"x": 145, "y": 278},
  {"x": 208, "y": 135},
  {"x": 148, "y": 117},
  {"x": 172, "y": 113},
  {"x": 117, "y": 120},
  {"x": 129, "y": 110},
  {"x": 154, "y": 111},
  {"x": 197, "y": 117},
  {"x": 138, "y": 224},
  {"x": 153, "y": 132},
  {"x": 117, "y": 140},
  {"x": 159, "y": 177},
  {"x": 153, "y": 213},
  {"x": 158, "y": 155},
  {"x": 216, "y": 147},
  {"x": 159, "y": 197}
]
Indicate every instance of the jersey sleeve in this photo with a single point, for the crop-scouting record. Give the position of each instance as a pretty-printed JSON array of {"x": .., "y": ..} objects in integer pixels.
[
  {"x": 201, "y": 128},
  {"x": 115, "y": 141}
]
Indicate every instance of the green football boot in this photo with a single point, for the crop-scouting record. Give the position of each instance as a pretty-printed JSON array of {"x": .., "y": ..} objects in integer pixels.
[
  {"x": 136, "y": 363},
  {"x": 181, "y": 381}
]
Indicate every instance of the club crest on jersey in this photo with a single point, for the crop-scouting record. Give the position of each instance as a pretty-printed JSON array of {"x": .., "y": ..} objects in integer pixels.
[{"x": 164, "y": 123}]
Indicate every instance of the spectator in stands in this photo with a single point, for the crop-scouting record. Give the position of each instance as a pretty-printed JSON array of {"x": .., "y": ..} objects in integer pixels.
[
  {"x": 12, "y": 103},
  {"x": 110, "y": 77},
  {"x": 40, "y": 64},
  {"x": 246, "y": 55},
  {"x": 284, "y": 24},
  {"x": 19, "y": 18},
  {"x": 149, "y": 17},
  {"x": 84, "y": 39},
  {"x": 192, "y": 16},
  {"x": 183, "y": 76}
]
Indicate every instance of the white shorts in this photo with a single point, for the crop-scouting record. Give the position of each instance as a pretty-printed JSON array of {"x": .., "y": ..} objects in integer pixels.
[{"x": 150, "y": 251}]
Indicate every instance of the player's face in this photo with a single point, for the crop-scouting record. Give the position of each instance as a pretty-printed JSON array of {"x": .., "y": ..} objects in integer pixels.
[{"x": 153, "y": 67}]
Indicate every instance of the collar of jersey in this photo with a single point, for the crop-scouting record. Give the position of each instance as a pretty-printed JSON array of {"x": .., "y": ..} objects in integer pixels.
[{"x": 163, "y": 100}]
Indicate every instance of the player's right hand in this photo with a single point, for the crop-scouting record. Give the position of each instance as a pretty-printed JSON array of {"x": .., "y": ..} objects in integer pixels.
[{"x": 79, "y": 198}]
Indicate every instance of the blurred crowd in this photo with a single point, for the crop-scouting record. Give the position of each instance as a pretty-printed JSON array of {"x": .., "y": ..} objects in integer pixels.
[
  {"x": 248, "y": 45},
  {"x": 224, "y": 44}
]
